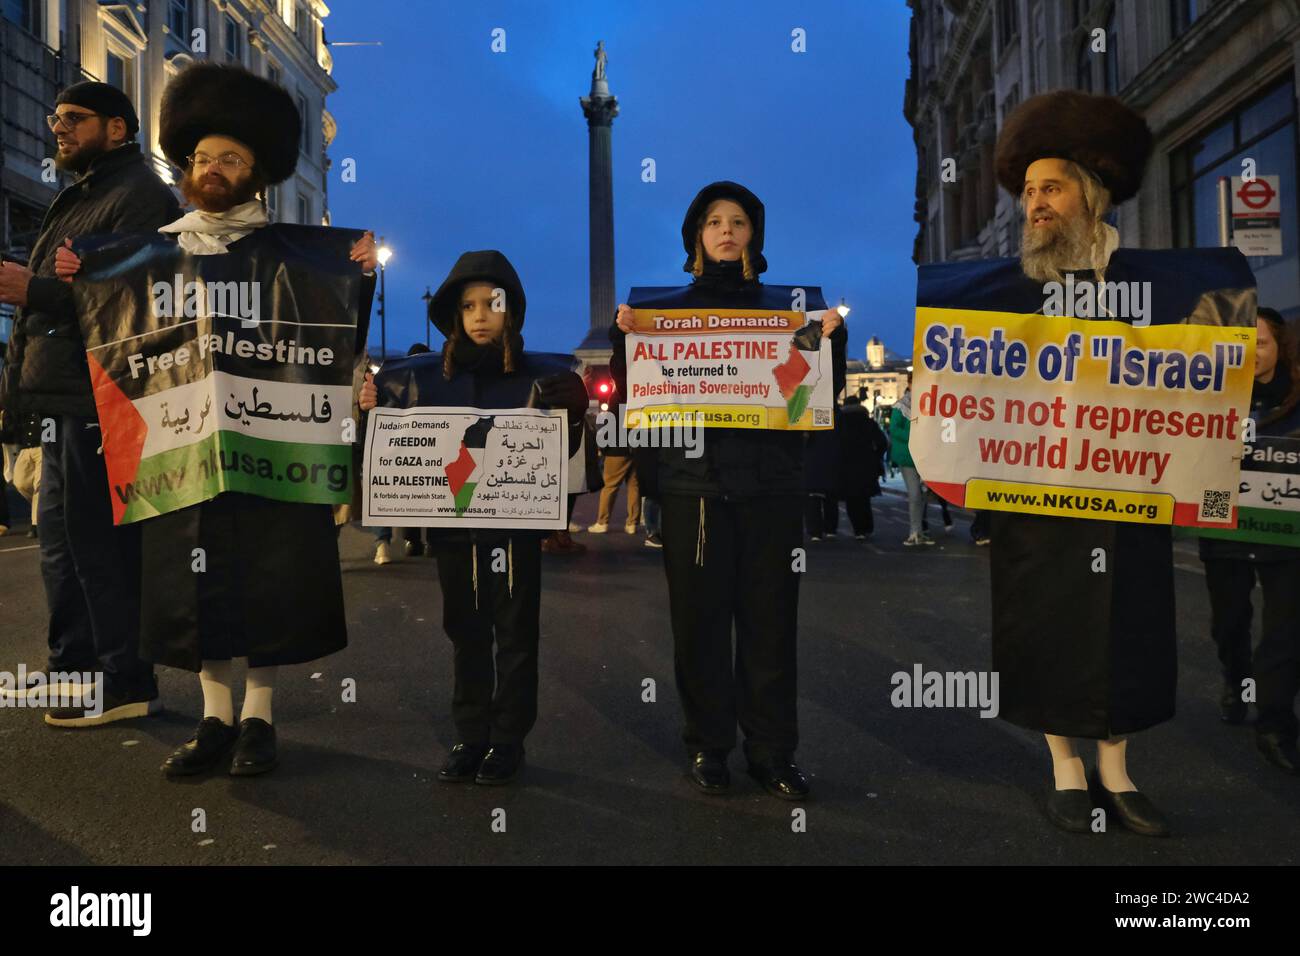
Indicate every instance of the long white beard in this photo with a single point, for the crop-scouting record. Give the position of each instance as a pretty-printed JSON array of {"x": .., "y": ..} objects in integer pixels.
[{"x": 1047, "y": 256}]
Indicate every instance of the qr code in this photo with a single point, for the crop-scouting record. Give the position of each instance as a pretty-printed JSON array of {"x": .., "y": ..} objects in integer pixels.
[
  {"x": 1216, "y": 504},
  {"x": 821, "y": 416}
]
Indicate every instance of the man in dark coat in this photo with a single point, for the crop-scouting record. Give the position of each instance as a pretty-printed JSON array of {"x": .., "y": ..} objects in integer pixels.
[
  {"x": 90, "y": 569},
  {"x": 862, "y": 461},
  {"x": 1083, "y": 649},
  {"x": 270, "y": 590}
]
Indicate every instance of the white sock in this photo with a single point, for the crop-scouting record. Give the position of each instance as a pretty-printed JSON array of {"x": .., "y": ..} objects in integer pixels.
[
  {"x": 218, "y": 702},
  {"x": 257, "y": 693},
  {"x": 1067, "y": 765},
  {"x": 1112, "y": 763}
]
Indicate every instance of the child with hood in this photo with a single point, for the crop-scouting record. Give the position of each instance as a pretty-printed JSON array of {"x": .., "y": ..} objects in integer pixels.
[{"x": 480, "y": 309}]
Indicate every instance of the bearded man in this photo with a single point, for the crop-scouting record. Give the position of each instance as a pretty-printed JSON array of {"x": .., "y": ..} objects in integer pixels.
[
  {"x": 271, "y": 592},
  {"x": 1082, "y": 653},
  {"x": 90, "y": 568}
]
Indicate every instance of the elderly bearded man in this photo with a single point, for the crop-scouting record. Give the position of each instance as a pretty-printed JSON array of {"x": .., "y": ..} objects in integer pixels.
[{"x": 1081, "y": 654}]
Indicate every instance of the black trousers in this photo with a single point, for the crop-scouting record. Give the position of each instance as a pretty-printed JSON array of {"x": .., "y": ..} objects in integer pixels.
[
  {"x": 90, "y": 568},
  {"x": 860, "y": 516},
  {"x": 821, "y": 514},
  {"x": 493, "y": 705},
  {"x": 731, "y": 560},
  {"x": 1276, "y": 662}
]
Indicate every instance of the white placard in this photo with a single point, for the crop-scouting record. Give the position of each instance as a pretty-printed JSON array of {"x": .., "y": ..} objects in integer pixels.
[{"x": 467, "y": 468}]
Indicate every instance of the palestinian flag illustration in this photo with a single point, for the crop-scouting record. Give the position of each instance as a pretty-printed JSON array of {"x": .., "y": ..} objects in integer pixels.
[
  {"x": 796, "y": 377},
  {"x": 464, "y": 473}
]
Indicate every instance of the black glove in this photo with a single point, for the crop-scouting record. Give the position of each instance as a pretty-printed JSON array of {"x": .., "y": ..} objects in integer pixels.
[{"x": 563, "y": 390}]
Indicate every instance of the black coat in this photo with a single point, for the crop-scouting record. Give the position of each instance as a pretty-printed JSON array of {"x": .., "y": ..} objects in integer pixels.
[
  {"x": 45, "y": 369},
  {"x": 736, "y": 462},
  {"x": 862, "y": 449},
  {"x": 1086, "y": 653},
  {"x": 272, "y": 590}
]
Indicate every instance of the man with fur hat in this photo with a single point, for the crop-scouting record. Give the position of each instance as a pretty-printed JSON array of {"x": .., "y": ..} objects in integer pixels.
[
  {"x": 90, "y": 568},
  {"x": 271, "y": 591},
  {"x": 1080, "y": 654}
]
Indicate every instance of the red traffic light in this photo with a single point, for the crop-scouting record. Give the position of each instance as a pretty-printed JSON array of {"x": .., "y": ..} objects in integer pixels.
[{"x": 603, "y": 388}]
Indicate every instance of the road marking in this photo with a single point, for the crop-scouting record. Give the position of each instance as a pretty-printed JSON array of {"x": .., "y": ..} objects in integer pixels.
[{"x": 29, "y": 547}]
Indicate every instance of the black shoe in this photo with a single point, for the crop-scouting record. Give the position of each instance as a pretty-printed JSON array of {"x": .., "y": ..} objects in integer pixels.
[
  {"x": 500, "y": 765},
  {"x": 255, "y": 749},
  {"x": 1071, "y": 810},
  {"x": 202, "y": 751},
  {"x": 1133, "y": 809},
  {"x": 709, "y": 771},
  {"x": 112, "y": 707},
  {"x": 1279, "y": 750},
  {"x": 462, "y": 763},
  {"x": 781, "y": 778},
  {"x": 1232, "y": 709}
]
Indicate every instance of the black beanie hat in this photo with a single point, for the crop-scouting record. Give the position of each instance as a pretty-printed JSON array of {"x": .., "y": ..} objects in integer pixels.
[
  {"x": 105, "y": 99},
  {"x": 700, "y": 205},
  {"x": 485, "y": 265}
]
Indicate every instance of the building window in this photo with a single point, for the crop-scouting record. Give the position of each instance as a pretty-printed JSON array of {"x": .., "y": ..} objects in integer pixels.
[
  {"x": 305, "y": 132},
  {"x": 1265, "y": 130},
  {"x": 25, "y": 13},
  {"x": 178, "y": 19},
  {"x": 304, "y": 210},
  {"x": 119, "y": 71},
  {"x": 1111, "y": 64},
  {"x": 1083, "y": 67},
  {"x": 1038, "y": 64},
  {"x": 234, "y": 41},
  {"x": 1007, "y": 22},
  {"x": 1183, "y": 13},
  {"x": 303, "y": 26}
]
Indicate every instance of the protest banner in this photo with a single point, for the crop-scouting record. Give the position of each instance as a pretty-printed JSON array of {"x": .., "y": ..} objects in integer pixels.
[
  {"x": 467, "y": 468},
  {"x": 762, "y": 365},
  {"x": 1268, "y": 506},
  {"x": 228, "y": 372},
  {"x": 1078, "y": 416}
]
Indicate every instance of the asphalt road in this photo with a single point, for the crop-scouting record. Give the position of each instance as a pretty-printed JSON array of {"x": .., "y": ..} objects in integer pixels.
[{"x": 604, "y": 781}]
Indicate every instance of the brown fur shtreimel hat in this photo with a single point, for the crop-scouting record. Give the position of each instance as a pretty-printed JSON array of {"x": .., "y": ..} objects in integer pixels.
[{"x": 1099, "y": 133}]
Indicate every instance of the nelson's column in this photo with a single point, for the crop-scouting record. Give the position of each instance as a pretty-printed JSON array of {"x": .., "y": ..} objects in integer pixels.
[{"x": 600, "y": 108}]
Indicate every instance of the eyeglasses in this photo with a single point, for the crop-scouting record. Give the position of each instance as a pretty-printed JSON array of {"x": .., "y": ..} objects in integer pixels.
[
  {"x": 230, "y": 162},
  {"x": 70, "y": 121}
]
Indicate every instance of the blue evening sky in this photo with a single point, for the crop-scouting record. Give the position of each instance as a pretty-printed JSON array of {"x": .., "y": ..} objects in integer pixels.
[{"x": 458, "y": 148}]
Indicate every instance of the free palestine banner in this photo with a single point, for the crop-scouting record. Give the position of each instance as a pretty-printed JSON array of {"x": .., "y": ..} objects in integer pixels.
[
  {"x": 760, "y": 365},
  {"x": 467, "y": 468},
  {"x": 1268, "y": 503},
  {"x": 228, "y": 372},
  {"x": 1124, "y": 402}
]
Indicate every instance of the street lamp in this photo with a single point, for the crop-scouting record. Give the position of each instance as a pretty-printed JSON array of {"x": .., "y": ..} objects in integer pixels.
[
  {"x": 843, "y": 309},
  {"x": 384, "y": 253},
  {"x": 428, "y": 301}
]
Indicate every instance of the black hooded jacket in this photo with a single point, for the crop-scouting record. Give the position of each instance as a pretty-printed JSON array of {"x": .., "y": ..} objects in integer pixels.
[
  {"x": 479, "y": 379},
  {"x": 735, "y": 461}
]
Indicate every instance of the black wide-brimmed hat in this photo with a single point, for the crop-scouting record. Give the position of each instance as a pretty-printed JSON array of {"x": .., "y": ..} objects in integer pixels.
[
  {"x": 212, "y": 99},
  {"x": 485, "y": 265},
  {"x": 1099, "y": 133},
  {"x": 700, "y": 205}
]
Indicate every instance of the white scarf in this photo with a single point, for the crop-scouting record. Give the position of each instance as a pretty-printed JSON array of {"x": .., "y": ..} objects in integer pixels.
[{"x": 209, "y": 233}]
